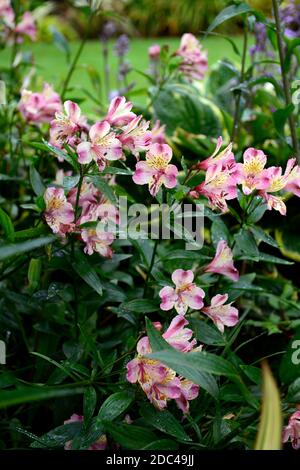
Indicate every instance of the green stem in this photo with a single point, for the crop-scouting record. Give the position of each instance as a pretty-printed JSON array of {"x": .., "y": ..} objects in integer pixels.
[
  {"x": 75, "y": 60},
  {"x": 76, "y": 300},
  {"x": 150, "y": 266},
  {"x": 236, "y": 120},
  {"x": 285, "y": 79}
]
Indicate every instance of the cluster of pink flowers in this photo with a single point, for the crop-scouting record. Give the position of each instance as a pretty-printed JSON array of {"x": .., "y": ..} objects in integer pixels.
[
  {"x": 94, "y": 209},
  {"x": 119, "y": 132},
  {"x": 194, "y": 59},
  {"x": 187, "y": 295},
  {"x": 159, "y": 382},
  {"x": 11, "y": 30},
  {"x": 100, "y": 444},
  {"x": 292, "y": 430},
  {"x": 39, "y": 108},
  {"x": 223, "y": 176}
]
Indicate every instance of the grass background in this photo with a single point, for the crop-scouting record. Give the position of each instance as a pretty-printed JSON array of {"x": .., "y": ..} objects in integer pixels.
[{"x": 50, "y": 62}]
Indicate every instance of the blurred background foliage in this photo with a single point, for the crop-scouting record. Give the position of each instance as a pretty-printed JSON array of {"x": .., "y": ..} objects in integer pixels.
[{"x": 144, "y": 18}]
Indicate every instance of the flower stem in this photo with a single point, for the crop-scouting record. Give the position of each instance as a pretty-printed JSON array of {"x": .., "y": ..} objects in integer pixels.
[
  {"x": 236, "y": 120},
  {"x": 75, "y": 60},
  {"x": 285, "y": 79},
  {"x": 150, "y": 267}
]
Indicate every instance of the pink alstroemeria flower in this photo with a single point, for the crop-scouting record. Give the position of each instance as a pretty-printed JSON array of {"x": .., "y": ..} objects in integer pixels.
[
  {"x": 97, "y": 241},
  {"x": 136, "y": 136},
  {"x": 89, "y": 194},
  {"x": 159, "y": 382},
  {"x": 289, "y": 181},
  {"x": 156, "y": 170},
  {"x": 186, "y": 294},
  {"x": 194, "y": 63},
  {"x": 103, "y": 146},
  {"x": 189, "y": 391},
  {"x": 223, "y": 262},
  {"x": 251, "y": 174},
  {"x": 178, "y": 336},
  {"x": 159, "y": 133},
  {"x": 26, "y": 27},
  {"x": 39, "y": 107},
  {"x": 119, "y": 112},
  {"x": 292, "y": 430},
  {"x": 66, "y": 125},
  {"x": 224, "y": 159},
  {"x": 219, "y": 186},
  {"x": 99, "y": 444},
  {"x": 59, "y": 213},
  {"x": 220, "y": 313}
]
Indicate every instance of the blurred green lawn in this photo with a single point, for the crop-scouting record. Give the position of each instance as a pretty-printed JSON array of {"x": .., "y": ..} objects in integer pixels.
[{"x": 51, "y": 65}]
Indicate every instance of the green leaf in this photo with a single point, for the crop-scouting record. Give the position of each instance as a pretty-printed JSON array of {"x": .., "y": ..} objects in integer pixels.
[
  {"x": 130, "y": 436},
  {"x": 206, "y": 333},
  {"x": 36, "y": 181},
  {"x": 270, "y": 428},
  {"x": 87, "y": 272},
  {"x": 6, "y": 251},
  {"x": 189, "y": 365},
  {"x": 161, "y": 444},
  {"x": 293, "y": 395},
  {"x": 104, "y": 187},
  {"x": 263, "y": 236},
  {"x": 219, "y": 231},
  {"x": 58, "y": 437},
  {"x": 245, "y": 244},
  {"x": 289, "y": 369},
  {"x": 165, "y": 422},
  {"x": 34, "y": 273},
  {"x": 140, "y": 306},
  {"x": 181, "y": 106},
  {"x": 32, "y": 394},
  {"x": 112, "y": 170},
  {"x": 60, "y": 41},
  {"x": 229, "y": 12},
  {"x": 89, "y": 404},
  {"x": 114, "y": 406},
  {"x": 292, "y": 45},
  {"x": 198, "y": 376},
  {"x": 7, "y": 225}
]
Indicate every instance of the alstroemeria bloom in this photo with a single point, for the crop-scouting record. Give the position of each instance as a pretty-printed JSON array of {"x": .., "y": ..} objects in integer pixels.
[
  {"x": 99, "y": 444},
  {"x": 59, "y": 213},
  {"x": 103, "y": 146},
  {"x": 97, "y": 241},
  {"x": 119, "y": 112},
  {"x": 89, "y": 194},
  {"x": 186, "y": 294},
  {"x": 219, "y": 186},
  {"x": 292, "y": 430},
  {"x": 39, "y": 107},
  {"x": 26, "y": 27},
  {"x": 289, "y": 181},
  {"x": 136, "y": 136},
  {"x": 105, "y": 212},
  {"x": 194, "y": 64},
  {"x": 220, "y": 313},
  {"x": 156, "y": 170},
  {"x": 224, "y": 159},
  {"x": 159, "y": 133},
  {"x": 223, "y": 262},
  {"x": 158, "y": 381},
  {"x": 66, "y": 125},
  {"x": 189, "y": 391},
  {"x": 251, "y": 174}
]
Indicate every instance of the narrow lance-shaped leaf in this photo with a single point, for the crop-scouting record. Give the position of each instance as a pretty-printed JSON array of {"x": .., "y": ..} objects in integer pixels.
[{"x": 270, "y": 427}]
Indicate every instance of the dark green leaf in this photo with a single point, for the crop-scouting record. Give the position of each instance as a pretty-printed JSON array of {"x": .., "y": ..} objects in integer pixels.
[{"x": 6, "y": 251}]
